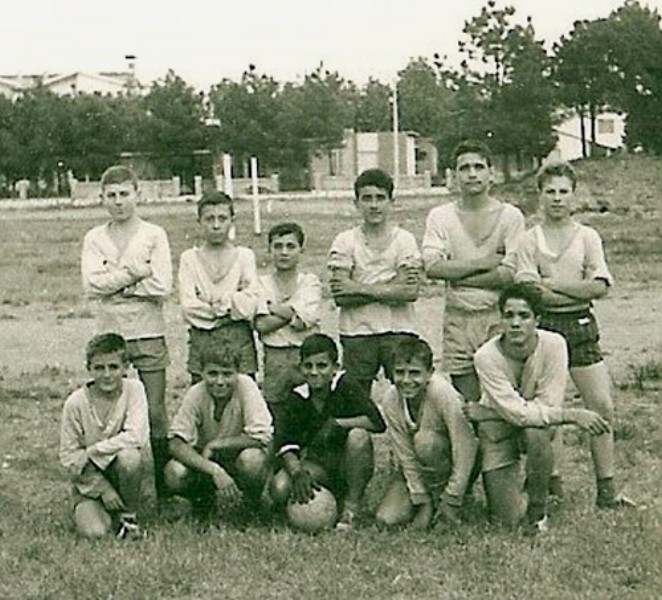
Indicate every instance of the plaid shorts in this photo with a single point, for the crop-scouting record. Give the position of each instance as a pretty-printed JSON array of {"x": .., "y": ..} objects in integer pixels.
[{"x": 580, "y": 330}]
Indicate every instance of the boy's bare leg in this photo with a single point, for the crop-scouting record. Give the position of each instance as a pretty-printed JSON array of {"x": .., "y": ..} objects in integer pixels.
[
  {"x": 129, "y": 468},
  {"x": 395, "y": 508},
  {"x": 91, "y": 519},
  {"x": 155, "y": 386},
  {"x": 468, "y": 385},
  {"x": 252, "y": 469},
  {"x": 505, "y": 499},
  {"x": 358, "y": 466}
]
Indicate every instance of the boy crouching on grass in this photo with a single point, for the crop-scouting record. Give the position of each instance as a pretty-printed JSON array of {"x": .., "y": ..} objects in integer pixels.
[
  {"x": 522, "y": 374},
  {"x": 323, "y": 433},
  {"x": 218, "y": 288},
  {"x": 220, "y": 436},
  {"x": 126, "y": 268},
  {"x": 104, "y": 427},
  {"x": 289, "y": 312},
  {"x": 433, "y": 444}
]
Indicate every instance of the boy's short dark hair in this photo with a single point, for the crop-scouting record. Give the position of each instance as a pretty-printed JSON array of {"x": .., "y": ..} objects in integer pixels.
[
  {"x": 118, "y": 174},
  {"x": 223, "y": 356},
  {"x": 472, "y": 147},
  {"x": 106, "y": 343},
  {"x": 282, "y": 229},
  {"x": 215, "y": 198},
  {"x": 413, "y": 348},
  {"x": 318, "y": 343},
  {"x": 522, "y": 291},
  {"x": 377, "y": 177},
  {"x": 556, "y": 169}
]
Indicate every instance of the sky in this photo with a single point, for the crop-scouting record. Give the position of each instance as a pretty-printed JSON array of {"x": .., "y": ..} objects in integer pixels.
[{"x": 205, "y": 41}]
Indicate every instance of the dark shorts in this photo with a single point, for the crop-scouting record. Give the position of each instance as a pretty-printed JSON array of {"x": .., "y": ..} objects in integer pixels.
[
  {"x": 281, "y": 372},
  {"x": 363, "y": 355},
  {"x": 148, "y": 354},
  {"x": 581, "y": 334},
  {"x": 237, "y": 334}
]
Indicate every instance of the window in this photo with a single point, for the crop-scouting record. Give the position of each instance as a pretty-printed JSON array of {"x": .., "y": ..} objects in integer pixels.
[{"x": 605, "y": 126}]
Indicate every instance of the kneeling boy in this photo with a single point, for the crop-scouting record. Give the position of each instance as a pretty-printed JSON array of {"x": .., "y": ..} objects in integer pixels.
[
  {"x": 104, "y": 427},
  {"x": 432, "y": 442},
  {"x": 323, "y": 433},
  {"x": 522, "y": 374},
  {"x": 220, "y": 436}
]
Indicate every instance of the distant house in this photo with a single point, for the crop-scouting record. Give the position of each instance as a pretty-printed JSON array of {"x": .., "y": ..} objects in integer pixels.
[
  {"x": 609, "y": 136},
  {"x": 336, "y": 169},
  {"x": 71, "y": 84}
]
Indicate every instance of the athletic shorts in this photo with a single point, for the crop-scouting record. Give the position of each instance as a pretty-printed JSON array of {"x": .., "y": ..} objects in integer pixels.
[
  {"x": 363, "y": 355},
  {"x": 148, "y": 354},
  {"x": 465, "y": 332},
  {"x": 502, "y": 444},
  {"x": 580, "y": 330},
  {"x": 237, "y": 334},
  {"x": 281, "y": 372}
]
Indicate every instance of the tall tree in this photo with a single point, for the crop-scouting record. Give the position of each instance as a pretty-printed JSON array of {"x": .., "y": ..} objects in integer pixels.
[{"x": 373, "y": 108}]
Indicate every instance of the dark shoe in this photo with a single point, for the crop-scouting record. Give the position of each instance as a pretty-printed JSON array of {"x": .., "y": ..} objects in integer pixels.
[{"x": 615, "y": 502}]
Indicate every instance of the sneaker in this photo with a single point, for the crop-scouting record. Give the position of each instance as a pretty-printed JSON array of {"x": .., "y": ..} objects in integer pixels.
[
  {"x": 615, "y": 502},
  {"x": 534, "y": 528},
  {"x": 346, "y": 521},
  {"x": 129, "y": 529}
]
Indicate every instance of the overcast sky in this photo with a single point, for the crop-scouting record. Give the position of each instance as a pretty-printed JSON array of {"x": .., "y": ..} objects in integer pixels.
[{"x": 207, "y": 40}]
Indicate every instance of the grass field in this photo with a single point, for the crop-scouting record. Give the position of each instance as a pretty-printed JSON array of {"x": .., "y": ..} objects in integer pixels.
[{"x": 587, "y": 554}]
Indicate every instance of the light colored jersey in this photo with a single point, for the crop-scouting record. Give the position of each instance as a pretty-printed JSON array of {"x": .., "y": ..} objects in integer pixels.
[
  {"x": 134, "y": 310},
  {"x": 350, "y": 251},
  {"x": 205, "y": 302},
  {"x": 446, "y": 238},
  {"x": 581, "y": 259},
  {"x": 84, "y": 438},
  {"x": 305, "y": 302},
  {"x": 441, "y": 412},
  {"x": 246, "y": 413},
  {"x": 535, "y": 399}
]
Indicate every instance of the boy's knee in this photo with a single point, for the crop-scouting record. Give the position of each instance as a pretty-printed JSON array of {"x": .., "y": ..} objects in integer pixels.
[
  {"x": 175, "y": 474},
  {"x": 252, "y": 462},
  {"x": 280, "y": 487},
  {"x": 129, "y": 460},
  {"x": 91, "y": 520},
  {"x": 430, "y": 445},
  {"x": 358, "y": 440}
]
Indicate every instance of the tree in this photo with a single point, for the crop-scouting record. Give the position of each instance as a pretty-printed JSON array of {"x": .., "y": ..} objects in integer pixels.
[
  {"x": 373, "y": 107},
  {"x": 503, "y": 88}
]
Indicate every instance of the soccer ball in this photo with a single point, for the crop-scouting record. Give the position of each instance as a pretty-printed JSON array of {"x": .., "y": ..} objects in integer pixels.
[{"x": 315, "y": 515}]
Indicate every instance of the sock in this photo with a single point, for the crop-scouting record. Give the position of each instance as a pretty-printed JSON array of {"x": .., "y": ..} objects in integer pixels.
[
  {"x": 160, "y": 455},
  {"x": 606, "y": 489}
]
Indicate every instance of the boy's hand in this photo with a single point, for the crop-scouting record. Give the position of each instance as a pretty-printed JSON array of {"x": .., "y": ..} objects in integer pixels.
[
  {"x": 284, "y": 311},
  {"x": 449, "y": 509},
  {"x": 227, "y": 489},
  {"x": 140, "y": 269},
  {"x": 112, "y": 501},
  {"x": 588, "y": 420},
  {"x": 345, "y": 287},
  {"x": 303, "y": 487}
]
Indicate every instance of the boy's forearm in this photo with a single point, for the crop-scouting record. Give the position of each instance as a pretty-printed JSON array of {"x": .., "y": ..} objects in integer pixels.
[{"x": 188, "y": 456}]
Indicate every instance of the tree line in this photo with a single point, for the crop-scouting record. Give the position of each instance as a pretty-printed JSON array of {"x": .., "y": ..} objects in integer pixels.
[{"x": 507, "y": 89}]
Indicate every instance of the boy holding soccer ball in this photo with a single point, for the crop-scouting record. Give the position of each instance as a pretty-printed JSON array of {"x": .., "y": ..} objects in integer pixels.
[{"x": 323, "y": 433}]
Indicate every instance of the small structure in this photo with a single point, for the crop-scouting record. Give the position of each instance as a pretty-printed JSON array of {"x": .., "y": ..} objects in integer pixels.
[
  {"x": 71, "y": 84},
  {"x": 609, "y": 136},
  {"x": 336, "y": 169}
]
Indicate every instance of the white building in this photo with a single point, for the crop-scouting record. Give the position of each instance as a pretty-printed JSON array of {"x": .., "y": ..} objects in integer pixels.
[
  {"x": 78, "y": 82},
  {"x": 609, "y": 134}
]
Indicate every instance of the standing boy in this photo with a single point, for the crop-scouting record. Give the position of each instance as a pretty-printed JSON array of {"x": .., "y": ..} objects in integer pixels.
[
  {"x": 432, "y": 442},
  {"x": 522, "y": 374},
  {"x": 374, "y": 280},
  {"x": 104, "y": 427},
  {"x": 127, "y": 270},
  {"x": 566, "y": 261},
  {"x": 220, "y": 436},
  {"x": 218, "y": 288},
  {"x": 471, "y": 245},
  {"x": 289, "y": 312},
  {"x": 323, "y": 433}
]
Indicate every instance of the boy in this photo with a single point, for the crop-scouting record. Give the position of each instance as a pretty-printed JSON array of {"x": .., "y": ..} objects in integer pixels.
[
  {"x": 471, "y": 244},
  {"x": 522, "y": 374},
  {"x": 567, "y": 263},
  {"x": 220, "y": 436},
  {"x": 127, "y": 270},
  {"x": 374, "y": 280},
  {"x": 432, "y": 442},
  {"x": 218, "y": 288},
  {"x": 323, "y": 433},
  {"x": 289, "y": 312},
  {"x": 104, "y": 427}
]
